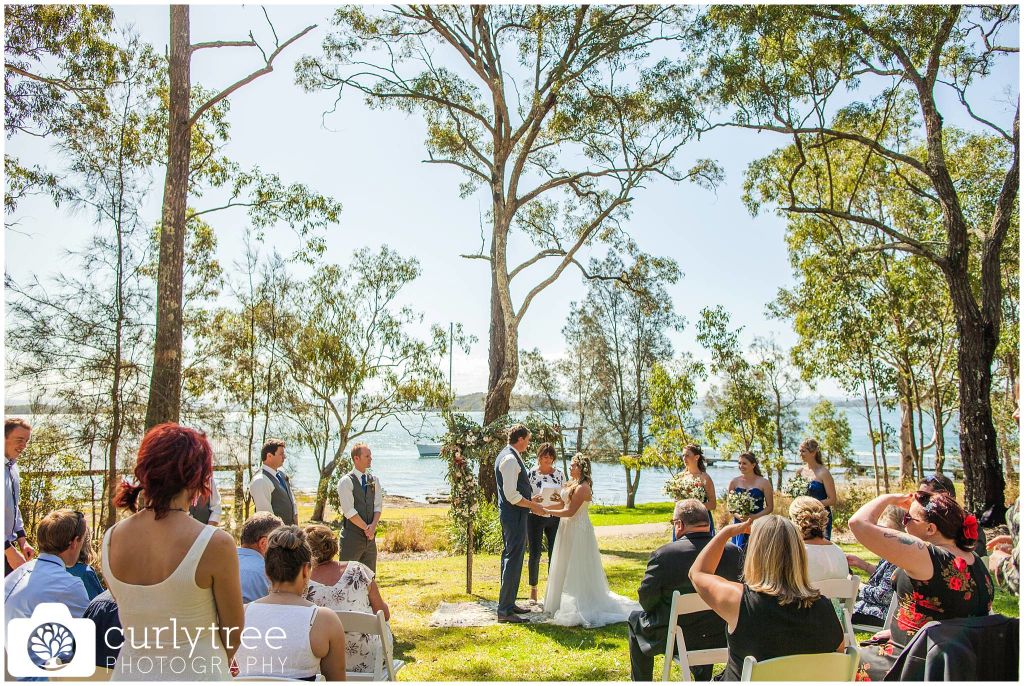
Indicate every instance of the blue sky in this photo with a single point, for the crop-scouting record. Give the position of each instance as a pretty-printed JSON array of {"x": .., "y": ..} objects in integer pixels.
[{"x": 370, "y": 160}]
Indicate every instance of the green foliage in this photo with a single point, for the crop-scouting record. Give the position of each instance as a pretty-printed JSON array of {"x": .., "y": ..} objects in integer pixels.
[
  {"x": 831, "y": 429},
  {"x": 486, "y": 532},
  {"x": 48, "y": 451},
  {"x": 673, "y": 392},
  {"x": 851, "y": 497}
]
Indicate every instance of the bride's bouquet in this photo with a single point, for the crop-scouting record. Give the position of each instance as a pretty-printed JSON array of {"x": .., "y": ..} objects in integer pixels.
[
  {"x": 683, "y": 486},
  {"x": 740, "y": 503},
  {"x": 796, "y": 486}
]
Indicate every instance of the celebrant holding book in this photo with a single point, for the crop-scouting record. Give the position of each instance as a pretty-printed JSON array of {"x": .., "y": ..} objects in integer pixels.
[{"x": 546, "y": 483}]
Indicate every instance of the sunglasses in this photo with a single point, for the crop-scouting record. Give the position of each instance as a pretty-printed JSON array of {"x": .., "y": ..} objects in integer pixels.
[{"x": 907, "y": 519}]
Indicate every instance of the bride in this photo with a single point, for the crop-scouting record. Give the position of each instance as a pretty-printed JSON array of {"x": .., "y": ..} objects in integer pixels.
[{"x": 583, "y": 596}]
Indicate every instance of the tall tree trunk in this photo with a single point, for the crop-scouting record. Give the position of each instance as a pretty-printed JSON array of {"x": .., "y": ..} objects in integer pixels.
[
  {"x": 503, "y": 367},
  {"x": 907, "y": 448},
  {"x": 881, "y": 432},
  {"x": 979, "y": 448},
  {"x": 165, "y": 382},
  {"x": 871, "y": 437}
]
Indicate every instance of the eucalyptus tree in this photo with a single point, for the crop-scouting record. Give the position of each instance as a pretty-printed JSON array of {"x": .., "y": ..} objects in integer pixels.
[
  {"x": 831, "y": 429},
  {"x": 82, "y": 334},
  {"x": 266, "y": 197},
  {"x": 781, "y": 382},
  {"x": 740, "y": 416},
  {"x": 350, "y": 350},
  {"x": 794, "y": 69},
  {"x": 673, "y": 393},
  {"x": 627, "y": 324},
  {"x": 578, "y": 369},
  {"x": 559, "y": 113}
]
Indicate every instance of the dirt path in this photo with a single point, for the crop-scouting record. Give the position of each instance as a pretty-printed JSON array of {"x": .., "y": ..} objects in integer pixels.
[{"x": 620, "y": 530}]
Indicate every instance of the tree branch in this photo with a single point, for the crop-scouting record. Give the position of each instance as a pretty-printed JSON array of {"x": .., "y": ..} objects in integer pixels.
[
  {"x": 223, "y": 44},
  {"x": 269, "y": 67}
]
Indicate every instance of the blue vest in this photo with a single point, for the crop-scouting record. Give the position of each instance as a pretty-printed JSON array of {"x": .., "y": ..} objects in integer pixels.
[{"x": 522, "y": 484}]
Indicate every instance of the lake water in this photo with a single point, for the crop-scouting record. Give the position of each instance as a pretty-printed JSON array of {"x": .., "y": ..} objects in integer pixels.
[{"x": 397, "y": 464}]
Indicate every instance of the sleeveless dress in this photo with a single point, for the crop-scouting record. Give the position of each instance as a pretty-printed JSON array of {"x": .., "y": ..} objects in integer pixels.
[
  {"x": 291, "y": 658},
  {"x": 956, "y": 590},
  {"x": 351, "y": 593},
  {"x": 711, "y": 519},
  {"x": 577, "y": 592},
  {"x": 176, "y": 602},
  {"x": 740, "y": 540},
  {"x": 816, "y": 489}
]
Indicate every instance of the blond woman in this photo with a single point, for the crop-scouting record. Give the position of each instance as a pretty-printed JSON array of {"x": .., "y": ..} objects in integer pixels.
[{"x": 774, "y": 611}]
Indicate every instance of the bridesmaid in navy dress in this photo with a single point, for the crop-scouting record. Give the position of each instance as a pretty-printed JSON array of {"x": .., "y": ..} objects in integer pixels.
[
  {"x": 821, "y": 484},
  {"x": 752, "y": 481},
  {"x": 693, "y": 458}
]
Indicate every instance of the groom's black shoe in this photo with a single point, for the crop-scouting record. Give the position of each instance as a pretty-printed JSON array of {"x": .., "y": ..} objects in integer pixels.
[
  {"x": 520, "y": 610},
  {"x": 511, "y": 619}
]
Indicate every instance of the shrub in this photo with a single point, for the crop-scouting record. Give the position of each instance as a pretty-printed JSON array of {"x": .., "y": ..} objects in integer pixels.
[
  {"x": 852, "y": 495},
  {"x": 486, "y": 532},
  {"x": 410, "y": 537}
]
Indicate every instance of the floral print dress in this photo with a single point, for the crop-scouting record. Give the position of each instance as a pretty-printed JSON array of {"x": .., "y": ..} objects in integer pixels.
[
  {"x": 956, "y": 590},
  {"x": 351, "y": 593}
]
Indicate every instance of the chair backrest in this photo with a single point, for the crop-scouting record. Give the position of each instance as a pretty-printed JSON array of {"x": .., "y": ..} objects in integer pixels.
[
  {"x": 816, "y": 667},
  {"x": 373, "y": 625},
  {"x": 843, "y": 591},
  {"x": 685, "y": 604}
]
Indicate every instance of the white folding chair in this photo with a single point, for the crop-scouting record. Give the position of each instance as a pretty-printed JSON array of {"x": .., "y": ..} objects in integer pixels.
[
  {"x": 385, "y": 667},
  {"x": 685, "y": 605},
  {"x": 843, "y": 592},
  {"x": 319, "y": 677},
  {"x": 889, "y": 614}
]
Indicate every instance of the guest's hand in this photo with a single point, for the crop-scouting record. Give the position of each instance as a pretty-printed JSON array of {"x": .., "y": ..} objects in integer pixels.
[
  {"x": 903, "y": 500},
  {"x": 998, "y": 541},
  {"x": 883, "y": 635},
  {"x": 736, "y": 528},
  {"x": 370, "y": 531},
  {"x": 855, "y": 561},
  {"x": 28, "y": 551}
]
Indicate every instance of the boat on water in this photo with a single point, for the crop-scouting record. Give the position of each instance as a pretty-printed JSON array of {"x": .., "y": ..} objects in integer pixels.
[{"x": 429, "y": 449}]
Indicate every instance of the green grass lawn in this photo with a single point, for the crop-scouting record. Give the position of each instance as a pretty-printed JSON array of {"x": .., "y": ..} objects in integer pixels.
[{"x": 532, "y": 652}]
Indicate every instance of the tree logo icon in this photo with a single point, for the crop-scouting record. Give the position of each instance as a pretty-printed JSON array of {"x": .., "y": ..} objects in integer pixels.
[{"x": 51, "y": 646}]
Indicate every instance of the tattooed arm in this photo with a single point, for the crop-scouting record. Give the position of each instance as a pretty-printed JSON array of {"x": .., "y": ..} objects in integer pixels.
[{"x": 903, "y": 550}]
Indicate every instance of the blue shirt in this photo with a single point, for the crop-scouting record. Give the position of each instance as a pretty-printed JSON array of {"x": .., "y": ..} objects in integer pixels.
[
  {"x": 89, "y": 577},
  {"x": 14, "y": 527},
  {"x": 103, "y": 612},
  {"x": 252, "y": 568},
  {"x": 43, "y": 580}
]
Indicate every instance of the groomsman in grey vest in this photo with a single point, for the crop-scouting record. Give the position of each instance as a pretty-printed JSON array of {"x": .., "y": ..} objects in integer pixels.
[
  {"x": 270, "y": 488},
  {"x": 208, "y": 510},
  {"x": 362, "y": 500}
]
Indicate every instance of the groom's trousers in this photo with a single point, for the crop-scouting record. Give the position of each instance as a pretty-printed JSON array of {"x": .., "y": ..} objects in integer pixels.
[{"x": 513, "y": 535}]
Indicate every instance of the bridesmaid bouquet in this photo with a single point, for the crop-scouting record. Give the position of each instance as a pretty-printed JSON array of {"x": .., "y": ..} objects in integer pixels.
[
  {"x": 797, "y": 486},
  {"x": 684, "y": 486},
  {"x": 740, "y": 503}
]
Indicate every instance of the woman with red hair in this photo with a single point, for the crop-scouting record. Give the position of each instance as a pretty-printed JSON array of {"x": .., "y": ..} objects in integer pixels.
[
  {"x": 938, "y": 577},
  {"x": 175, "y": 580}
]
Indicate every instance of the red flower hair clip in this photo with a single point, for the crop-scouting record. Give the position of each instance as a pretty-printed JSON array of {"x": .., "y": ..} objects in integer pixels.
[{"x": 971, "y": 527}]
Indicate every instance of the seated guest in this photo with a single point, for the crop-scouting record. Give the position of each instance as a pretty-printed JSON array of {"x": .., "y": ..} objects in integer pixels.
[
  {"x": 255, "y": 531},
  {"x": 875, "y": 594},
  {"x": 45, "y": 579},
  {"x": 87, "y": 574},
  {"x": 667, "y": 572},
  {"x": 940, "y": 483},
  {"x": 938, "y": 577},
  {"x": 102, "y": 611},
  {"x": 774, "y": 611},
  {"x": 825, "y": 560},
  {"x": 1004, "y": 562},
  {"x": 344, "y": 586},
  {"x": 174, "y": 578},
  {"x": 313, "y": 639}
]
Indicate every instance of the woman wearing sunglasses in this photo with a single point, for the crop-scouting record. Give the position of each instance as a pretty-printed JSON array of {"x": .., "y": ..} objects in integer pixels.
[{"x": 938, "y": 577}]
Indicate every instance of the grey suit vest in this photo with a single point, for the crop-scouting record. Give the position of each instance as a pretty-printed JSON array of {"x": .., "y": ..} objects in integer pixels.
[
  {"x": 281, "y": 500},
  {"x": 363, "y": 502}
]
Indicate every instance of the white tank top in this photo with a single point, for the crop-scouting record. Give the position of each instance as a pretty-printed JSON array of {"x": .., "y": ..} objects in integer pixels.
[
  {"x": 291, "y": 656},
  {"x": 150, "y": 613}
]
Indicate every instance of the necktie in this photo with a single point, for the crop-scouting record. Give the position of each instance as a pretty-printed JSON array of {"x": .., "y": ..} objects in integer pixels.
[
  {"x": 280, "y": 480},
  {"x": 364, "y": 484}
]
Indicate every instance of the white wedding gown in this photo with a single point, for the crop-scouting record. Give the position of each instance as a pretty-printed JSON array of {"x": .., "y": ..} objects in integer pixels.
[{"x": 577, "y": 591}]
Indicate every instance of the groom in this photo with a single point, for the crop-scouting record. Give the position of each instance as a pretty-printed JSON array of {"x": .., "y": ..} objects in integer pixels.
[{"x": 514, "y": 505}]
